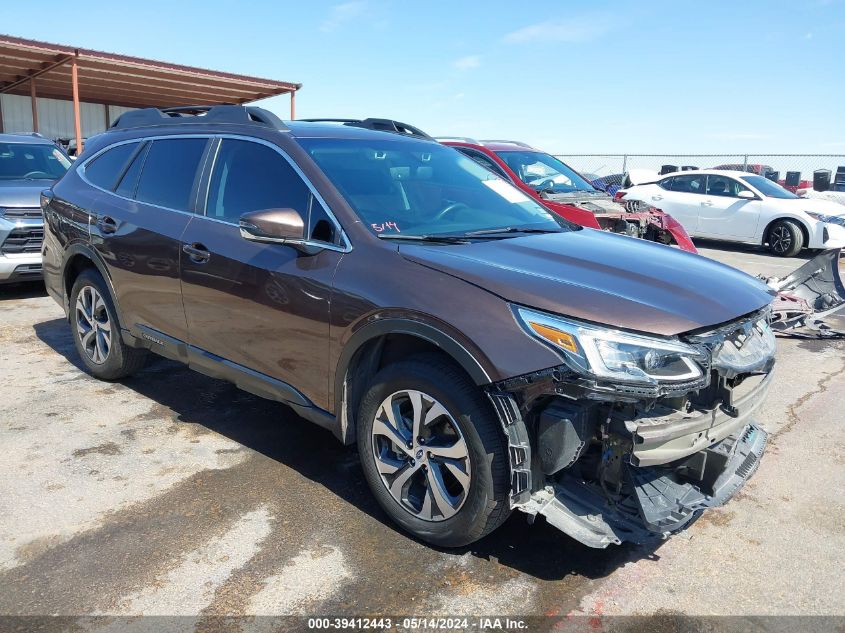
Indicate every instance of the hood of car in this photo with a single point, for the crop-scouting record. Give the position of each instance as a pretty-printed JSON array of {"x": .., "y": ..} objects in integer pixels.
[
  {"x": 611, "y": 279},
  {"x": 22, "y": 193},
  {"x": 828, "y": 207}
]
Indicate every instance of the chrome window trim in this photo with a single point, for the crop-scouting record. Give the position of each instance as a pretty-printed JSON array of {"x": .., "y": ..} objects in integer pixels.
[{"x": 345, "y": 248}]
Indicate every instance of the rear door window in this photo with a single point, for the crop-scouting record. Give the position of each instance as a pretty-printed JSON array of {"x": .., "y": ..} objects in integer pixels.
[
  {"x": 169, "y": 172},
  {"x": 689, "y": 184},
  {"x": 129, "y": 180},
  {"x": 106, "y": 168}
]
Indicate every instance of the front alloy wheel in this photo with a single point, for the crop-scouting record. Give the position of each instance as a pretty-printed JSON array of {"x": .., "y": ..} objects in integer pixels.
[
  {"x": 433, "y": 451},
  {"x": 785, "y": 238},
  {"x": 93, "y": 325},
  {"x": 421, "y": 455}
]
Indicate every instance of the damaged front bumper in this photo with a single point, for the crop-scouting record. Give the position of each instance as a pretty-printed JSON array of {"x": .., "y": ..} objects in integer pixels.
[
  {"x": 659, "y": 503},
  {"x": 608, "y": 463}
]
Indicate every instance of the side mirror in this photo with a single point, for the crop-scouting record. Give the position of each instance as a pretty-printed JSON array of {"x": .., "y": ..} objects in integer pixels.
[
  {"x": 746, "y": 195},
  {"x": 275, "y": 226}
]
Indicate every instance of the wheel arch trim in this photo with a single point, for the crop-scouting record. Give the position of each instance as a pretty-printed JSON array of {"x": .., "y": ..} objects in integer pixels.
[
  {"x": 383, "y": 327},
  {"x": 805, "y": 230},
  {"x": 89, "y": 253}
]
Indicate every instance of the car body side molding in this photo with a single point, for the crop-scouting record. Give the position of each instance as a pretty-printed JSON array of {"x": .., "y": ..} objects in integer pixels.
[{"x": 218, "y": 367}]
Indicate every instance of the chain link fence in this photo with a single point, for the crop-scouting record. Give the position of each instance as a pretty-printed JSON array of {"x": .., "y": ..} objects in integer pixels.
[{"x": 794, "y": 170}]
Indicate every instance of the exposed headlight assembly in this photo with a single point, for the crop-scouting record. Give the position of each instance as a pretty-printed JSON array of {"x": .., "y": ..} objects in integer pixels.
[
  {"x": 613, "y": 355},
  {"x": 828, "y": 219}
]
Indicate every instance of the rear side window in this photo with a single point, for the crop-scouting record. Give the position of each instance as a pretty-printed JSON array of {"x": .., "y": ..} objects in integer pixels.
[
  {"x": 170, "y": 169},
  {"x": 666, "y": 183},
  {"x": 104, "y": 170}
]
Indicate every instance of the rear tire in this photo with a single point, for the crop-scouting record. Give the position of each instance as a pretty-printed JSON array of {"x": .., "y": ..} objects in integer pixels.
[
  {"x": 785, "y": 238},
  {"x": 96, "y": 330},
  {"x": 451, "y": 488}
]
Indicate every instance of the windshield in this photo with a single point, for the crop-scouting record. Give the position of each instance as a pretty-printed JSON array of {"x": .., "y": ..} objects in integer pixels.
[
  {"x": 415, "y": 188},
  {"x": 19, "y": 161},
  {"x": 768, "y": 188},
  {"x": 544, "y": 172}
]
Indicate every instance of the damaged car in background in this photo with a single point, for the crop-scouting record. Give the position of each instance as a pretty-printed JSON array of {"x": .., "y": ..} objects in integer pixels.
[
  {"x": 484, "y": 353},
  {"x": 560, "y": 188}
]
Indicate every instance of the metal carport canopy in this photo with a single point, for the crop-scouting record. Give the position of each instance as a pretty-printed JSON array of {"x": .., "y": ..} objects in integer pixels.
[{"x": 64, "y": 72}]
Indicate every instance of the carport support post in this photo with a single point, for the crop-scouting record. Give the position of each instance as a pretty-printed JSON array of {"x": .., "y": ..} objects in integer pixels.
[
  {"x": 74, "y": 77},
  {"x": 33, "y": 98},
  {"x": 292, "y": 105}
]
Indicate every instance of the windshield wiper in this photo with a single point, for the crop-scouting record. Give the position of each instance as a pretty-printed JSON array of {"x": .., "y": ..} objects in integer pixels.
[
  {"x": 443, "y": 239},
  {"x": 508, "y": 229}
]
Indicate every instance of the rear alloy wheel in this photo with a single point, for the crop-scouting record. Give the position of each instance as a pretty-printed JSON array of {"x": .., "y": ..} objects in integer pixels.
[
  {"x": 433, "y": 451},
  {"x": 93, "y": 325},
  {"x": 96, "y": 330},
  {"x": 785, "y": 238}
]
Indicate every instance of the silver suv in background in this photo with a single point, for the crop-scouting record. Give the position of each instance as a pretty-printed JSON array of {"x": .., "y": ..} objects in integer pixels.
[{"x": 28, "y": 165}]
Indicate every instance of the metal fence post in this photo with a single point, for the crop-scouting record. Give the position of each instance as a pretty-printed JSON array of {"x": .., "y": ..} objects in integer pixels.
[
  {"x": 624, "y": 163},
  {"x": 745, "y": 163}
]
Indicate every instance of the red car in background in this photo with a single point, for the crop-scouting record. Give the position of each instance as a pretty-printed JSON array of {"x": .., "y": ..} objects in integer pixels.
[{"x": 563, "y": 190}]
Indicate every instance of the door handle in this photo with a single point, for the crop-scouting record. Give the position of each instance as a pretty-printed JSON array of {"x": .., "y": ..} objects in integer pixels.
[
  {"x": 106, "y": 225},
  {"x": 707, "y": 203},
  {"x": 197, "y": 252},
  {"x": 657, "y": 197}
]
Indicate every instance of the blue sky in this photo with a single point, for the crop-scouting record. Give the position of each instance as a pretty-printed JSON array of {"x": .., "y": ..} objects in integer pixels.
[{"x": 637, "y": 77}]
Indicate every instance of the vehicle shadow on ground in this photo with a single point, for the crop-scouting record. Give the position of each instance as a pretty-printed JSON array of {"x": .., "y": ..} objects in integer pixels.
[
  {"x": 272, "y": 429},
  {"x": 752, "y": 249},
  {"x": 22, "y": 290}
]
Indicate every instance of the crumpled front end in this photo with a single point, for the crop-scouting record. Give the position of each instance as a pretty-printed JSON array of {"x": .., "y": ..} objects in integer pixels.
[
  {"x": 608, "y": 463},
  {"x": 808, "y": 295},
  {"x": 644, "y": 222}
]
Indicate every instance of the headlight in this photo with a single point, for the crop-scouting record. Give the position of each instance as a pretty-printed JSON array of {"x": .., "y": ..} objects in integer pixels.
[
  {"x": 614, "y": 355},
  {"x": 829, "y": 219}
]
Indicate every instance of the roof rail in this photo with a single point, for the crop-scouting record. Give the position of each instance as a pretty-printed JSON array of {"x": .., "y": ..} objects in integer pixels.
[
  {"x": 458, "y": 139},
  {"x": 381, "y": 125},
  {"x": 501, "y": 140},
  {"x": 237, "y": 114}
]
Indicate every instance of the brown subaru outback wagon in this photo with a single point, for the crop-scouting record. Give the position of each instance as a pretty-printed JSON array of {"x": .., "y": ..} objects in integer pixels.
[{"x": 484, "y": 354}]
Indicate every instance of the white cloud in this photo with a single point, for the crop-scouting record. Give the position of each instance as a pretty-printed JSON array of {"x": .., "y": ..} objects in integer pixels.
[
  {"x": 467, "y": 63},
  {"x": 340, "y": 14},
  {"x": 583, "y": 28}
]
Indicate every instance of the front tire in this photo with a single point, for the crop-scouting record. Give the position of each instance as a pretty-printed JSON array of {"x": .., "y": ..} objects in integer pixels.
[
  {"x": 433, "y": 452},
  {"x": 785, "y": 238},
  {"x": 96, "y": 330}
]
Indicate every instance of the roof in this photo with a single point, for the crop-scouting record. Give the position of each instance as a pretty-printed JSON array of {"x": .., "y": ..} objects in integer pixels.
[
  {"x": 121, "y": 79},
  {"x": 35, "y": 139},
  {"x": 735, "y": 173},
  {"x": 495, "y": 145}
]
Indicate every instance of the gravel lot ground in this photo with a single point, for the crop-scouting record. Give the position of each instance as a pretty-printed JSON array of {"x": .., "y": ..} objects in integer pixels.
[{"x": 173, "y": 493}]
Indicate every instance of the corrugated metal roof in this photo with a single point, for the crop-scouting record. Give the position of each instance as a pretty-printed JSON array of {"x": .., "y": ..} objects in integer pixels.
[{"x": 123, "y": 80}]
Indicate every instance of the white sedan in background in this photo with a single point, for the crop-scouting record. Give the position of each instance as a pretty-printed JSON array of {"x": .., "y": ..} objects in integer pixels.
[{"x": 742, "y": 207}]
